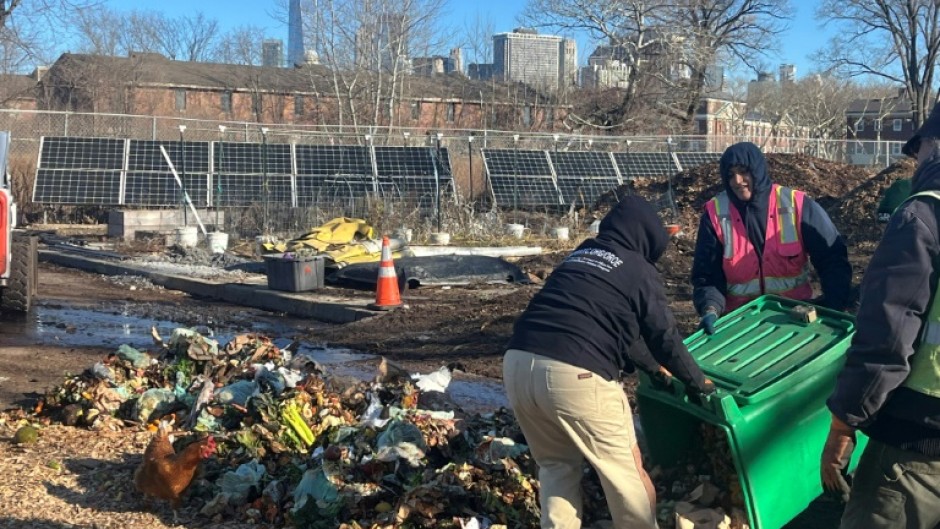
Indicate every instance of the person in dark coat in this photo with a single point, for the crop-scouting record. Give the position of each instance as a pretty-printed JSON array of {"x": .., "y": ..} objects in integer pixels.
[
  {"x": 889, "y": 387},
  {"x": 562, "y": 370},
  {"x": 759, "y": 262}
]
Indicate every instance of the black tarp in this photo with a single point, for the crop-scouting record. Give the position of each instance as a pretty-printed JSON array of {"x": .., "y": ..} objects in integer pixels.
[{"x": 433, "y": 270}]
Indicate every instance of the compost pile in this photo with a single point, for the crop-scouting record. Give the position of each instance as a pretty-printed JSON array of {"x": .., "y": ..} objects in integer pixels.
[
  {"x": 855, "y": 213},
  {"x": 825, "y": 181},
  {"x": 301, "y": 447}
]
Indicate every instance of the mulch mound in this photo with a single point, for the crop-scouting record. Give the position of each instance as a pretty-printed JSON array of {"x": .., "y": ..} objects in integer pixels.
[
  {"x": 855, "y": 213},
  {"x": 825, "y": 181}
]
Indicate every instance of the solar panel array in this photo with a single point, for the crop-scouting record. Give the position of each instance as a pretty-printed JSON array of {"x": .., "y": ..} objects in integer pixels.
[
  {"x": 106, "y": 171},
  {"x": 548, "y": 178}
]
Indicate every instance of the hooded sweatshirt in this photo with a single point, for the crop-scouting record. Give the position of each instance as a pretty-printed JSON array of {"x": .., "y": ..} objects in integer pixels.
[
  {"x": 820, "y": 238},
  {"x": 606, "y": 297},
  {"x": 897, "y": 291}
]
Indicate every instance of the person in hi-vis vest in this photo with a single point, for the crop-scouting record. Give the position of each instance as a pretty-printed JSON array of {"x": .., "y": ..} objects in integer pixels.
[
  {"x": 889, "y": 387},
  {"x": 757, "y": 237}
]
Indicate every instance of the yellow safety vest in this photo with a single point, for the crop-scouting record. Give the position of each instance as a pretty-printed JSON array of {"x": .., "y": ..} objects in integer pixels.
[{"x": 925, "y": 364}]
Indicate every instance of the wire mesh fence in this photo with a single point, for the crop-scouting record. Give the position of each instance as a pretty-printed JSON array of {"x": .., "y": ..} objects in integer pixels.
[{"x": 281, "y": 179}]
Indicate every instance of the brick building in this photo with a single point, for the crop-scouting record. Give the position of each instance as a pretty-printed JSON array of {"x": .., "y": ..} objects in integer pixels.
[{"x": 150, "y": 84}]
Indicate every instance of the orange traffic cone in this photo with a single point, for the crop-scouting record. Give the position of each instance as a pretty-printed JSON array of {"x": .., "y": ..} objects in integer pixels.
[{"x": 387, "y": 296}]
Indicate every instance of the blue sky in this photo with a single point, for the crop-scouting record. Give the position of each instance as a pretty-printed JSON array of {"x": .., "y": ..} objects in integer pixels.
[{"x": 804, "y": 37}]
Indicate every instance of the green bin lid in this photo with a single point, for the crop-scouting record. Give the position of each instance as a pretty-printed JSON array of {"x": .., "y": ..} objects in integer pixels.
[{"x": 762, "y": 343}]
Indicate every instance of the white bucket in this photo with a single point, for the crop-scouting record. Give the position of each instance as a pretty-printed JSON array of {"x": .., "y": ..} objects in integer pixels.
[
  {"x": 515, "y": 230},
  {"x": 187, "y": 236},
  {"x": 442, "y": 239},
  {"x": 404, "y": 234},
  {"x": 217, "y": 241},
  {"x": 560, "y": 233}
]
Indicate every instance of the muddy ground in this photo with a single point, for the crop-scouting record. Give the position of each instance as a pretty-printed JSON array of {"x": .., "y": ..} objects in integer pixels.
[{"x": 436, "y": 326}]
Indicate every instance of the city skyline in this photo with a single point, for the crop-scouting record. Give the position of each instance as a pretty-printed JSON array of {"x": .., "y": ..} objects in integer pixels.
[{"x": 798, "y": 43}]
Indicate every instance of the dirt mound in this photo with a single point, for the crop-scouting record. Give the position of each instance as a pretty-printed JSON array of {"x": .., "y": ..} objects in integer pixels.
[
  {"x": 823, "y": 180},
  {"x": 855, "y": 214}
]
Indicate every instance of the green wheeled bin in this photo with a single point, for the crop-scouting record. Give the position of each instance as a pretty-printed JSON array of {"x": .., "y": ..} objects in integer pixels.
[{"x": 773, "y": 372}]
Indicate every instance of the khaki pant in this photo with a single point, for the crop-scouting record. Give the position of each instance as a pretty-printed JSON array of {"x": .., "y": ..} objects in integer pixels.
[
  {"x": 894, "y": 489},
  {"x": 568, "y": 415}
]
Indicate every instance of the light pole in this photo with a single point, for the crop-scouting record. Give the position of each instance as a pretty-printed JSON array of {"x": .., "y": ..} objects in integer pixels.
[
  {"x": 515, "y": 173},
  {"x": 437, "y": 181},
  {"x": 217, "y": 200},
  {"x": 183, "y": 176},
  {"x": 264, "y": 181},
  {"x": 470, "y": 153},
  {"x": 555, "y": 142}
]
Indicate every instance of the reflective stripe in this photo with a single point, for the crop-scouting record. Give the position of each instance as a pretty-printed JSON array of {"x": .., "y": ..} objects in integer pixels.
[
  {"x": 772, "y": 284},
  {"x": 387, "y": 271},
  {"x": 782, "y": 284},
  {"x": 751, "y": 288},
  {"x": 931, "y": 333},
  {"x": 723, "y": 211},
  {"x": 786, "y": 212}
]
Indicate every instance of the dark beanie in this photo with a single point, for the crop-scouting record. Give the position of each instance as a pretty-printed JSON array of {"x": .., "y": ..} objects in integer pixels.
[{"x": 930, "y": 129}]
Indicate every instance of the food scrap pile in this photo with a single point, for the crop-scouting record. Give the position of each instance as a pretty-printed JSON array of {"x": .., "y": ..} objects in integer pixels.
[{"x": 295, "y": 445}]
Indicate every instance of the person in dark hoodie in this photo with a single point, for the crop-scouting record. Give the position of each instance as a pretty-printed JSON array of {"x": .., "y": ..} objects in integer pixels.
[
  {"x": 757, "y": 237},
  {"x": 568, "y": 351},
  {"x": 889, "y": 386}
]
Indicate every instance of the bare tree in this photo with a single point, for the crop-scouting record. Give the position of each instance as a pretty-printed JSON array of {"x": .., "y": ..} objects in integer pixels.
[
  {"x": 187, "y": 38},
  {"x": 746, "y": 30},
  {"x": 477, "y": 38},
  {"x": 892, "y": 40},
  {"x": 673, "y": 42},
  {"x": 628, "y": 27},
  {"x": 241, "y": 45}
]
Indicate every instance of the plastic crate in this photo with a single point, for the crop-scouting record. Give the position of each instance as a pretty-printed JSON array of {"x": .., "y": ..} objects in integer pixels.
[
  {"x": 773, "y": 374},
  {"x": 294, "y": 273}
]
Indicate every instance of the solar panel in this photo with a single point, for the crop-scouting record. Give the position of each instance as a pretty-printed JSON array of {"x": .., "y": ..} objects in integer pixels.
[
  {"x": 692, "y": 159},
  {"x": 511, "y": 162},
  {"x": 523, "y": 191},
  {"x": 82, "y": 153},
  {"x": 333, "y": 160},
  {"x": 77, "y": 186},
  {"x": 244, "y": 190},
  {"x": 584, "y": 176},
  {"x": 644, "y": 164},
  {"x": 253, "y": 158}
]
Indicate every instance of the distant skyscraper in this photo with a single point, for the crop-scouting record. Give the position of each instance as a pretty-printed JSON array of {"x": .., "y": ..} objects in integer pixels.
[
  {"x": 272, "y": 53},
  {"x": 545, "y": 61},
  {"x": 295, "y": 35},
  {"x": 787, "y": 73}
]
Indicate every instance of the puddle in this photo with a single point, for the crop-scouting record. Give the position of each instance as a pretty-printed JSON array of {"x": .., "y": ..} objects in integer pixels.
[
  {"x": 110, "y": 325},
  {"x": 115, "y": 325}
]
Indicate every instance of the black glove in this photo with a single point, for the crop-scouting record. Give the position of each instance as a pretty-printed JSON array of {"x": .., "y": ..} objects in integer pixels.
[
  {"x": 708, "y": 321},
  {"x": 698, "y": 395},
  {"x": 661, "y": 379}
]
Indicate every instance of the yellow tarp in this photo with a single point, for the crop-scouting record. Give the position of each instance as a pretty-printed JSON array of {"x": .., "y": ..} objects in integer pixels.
[
  {"x": 339, "y": 231},
  {"x": 342, "y": 240}
]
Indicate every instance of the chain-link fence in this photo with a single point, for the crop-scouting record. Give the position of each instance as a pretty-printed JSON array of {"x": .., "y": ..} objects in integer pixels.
[{"x": 456, "y": 206}]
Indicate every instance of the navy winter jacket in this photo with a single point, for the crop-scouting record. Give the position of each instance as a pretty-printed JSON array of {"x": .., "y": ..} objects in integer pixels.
[
  {"x": 606, "y": 297},
  {"x": 896, "y": 293}
]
